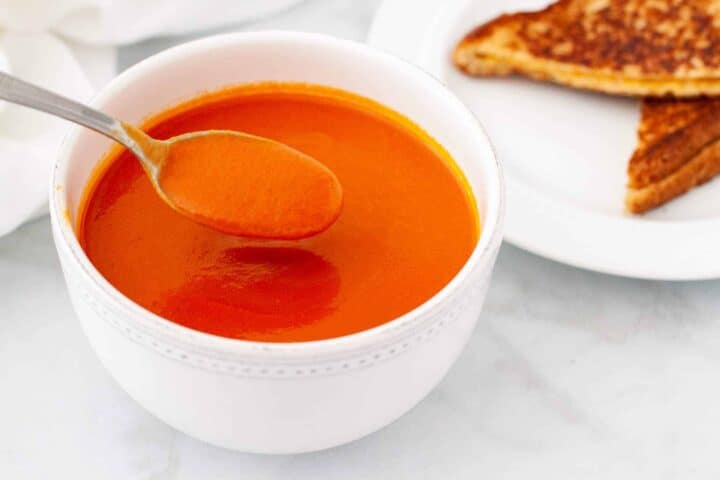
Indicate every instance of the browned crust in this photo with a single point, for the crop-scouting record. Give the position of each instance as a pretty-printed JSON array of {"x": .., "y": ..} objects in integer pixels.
[
  {"x": 467, "y": 60},
  {"x": 631, "y": 47},
  {"x": 701, "y": 168},
  {"x": 669, "y": 152},
  {"x": 513, "y": 20},
  {"x": 656, "y": 48}
]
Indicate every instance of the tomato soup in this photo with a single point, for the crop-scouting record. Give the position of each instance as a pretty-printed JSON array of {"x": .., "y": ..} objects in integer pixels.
[{"x": 408, "y": 223}]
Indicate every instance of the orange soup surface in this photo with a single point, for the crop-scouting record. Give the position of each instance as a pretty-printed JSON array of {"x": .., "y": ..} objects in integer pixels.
[{"x": 408, "y": 223}]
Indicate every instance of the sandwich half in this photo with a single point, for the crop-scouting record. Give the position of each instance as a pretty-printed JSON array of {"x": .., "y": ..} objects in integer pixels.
[
  {"x": 678, "y": 148},
  {"x": 625, "y": 47}
]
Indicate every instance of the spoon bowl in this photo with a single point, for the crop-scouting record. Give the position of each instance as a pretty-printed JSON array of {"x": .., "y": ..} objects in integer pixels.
[
  {"x": 233, "y": 182},
  {"x": 239, "y": 183}
]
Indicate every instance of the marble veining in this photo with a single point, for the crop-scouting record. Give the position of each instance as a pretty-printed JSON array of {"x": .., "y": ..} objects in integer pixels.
[{"x": 569, "y": 374}]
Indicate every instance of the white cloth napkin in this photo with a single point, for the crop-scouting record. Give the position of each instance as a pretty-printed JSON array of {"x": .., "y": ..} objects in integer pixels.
[{"x": 68, "y": 46}]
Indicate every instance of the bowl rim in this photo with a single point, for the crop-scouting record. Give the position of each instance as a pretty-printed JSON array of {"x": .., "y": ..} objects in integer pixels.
[{"x": 483, "y": 253}]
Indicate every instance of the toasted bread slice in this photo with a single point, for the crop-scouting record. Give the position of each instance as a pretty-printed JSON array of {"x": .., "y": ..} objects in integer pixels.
[
  {"x": 626, "y": 47},
  {"x": 678, "y": 149}
]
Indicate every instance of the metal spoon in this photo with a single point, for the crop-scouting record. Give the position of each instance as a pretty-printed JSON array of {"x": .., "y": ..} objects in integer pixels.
[{"x": 267, "y": 212}]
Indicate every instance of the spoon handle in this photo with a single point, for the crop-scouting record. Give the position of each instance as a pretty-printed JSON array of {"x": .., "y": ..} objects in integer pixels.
[{"x": 18, "y": 91}]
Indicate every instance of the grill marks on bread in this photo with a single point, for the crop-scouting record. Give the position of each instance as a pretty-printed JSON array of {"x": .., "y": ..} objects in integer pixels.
[{"x": 631, "y": 47}]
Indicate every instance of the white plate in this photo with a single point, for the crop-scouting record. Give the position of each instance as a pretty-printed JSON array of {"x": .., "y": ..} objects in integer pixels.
[{"x": 565, "y": 154}]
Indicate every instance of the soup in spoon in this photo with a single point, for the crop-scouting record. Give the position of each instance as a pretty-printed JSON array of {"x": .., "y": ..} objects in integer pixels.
[
  {"x": 228, "y": 180},
  {"x": 241, "y": 184}
]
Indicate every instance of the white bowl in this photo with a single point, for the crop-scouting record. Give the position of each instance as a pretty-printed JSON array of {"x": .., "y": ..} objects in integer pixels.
[{"x": 278, "y": 397}]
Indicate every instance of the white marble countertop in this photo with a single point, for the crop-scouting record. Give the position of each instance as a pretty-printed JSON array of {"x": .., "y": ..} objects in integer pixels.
[{"x": 569, "y": 374}]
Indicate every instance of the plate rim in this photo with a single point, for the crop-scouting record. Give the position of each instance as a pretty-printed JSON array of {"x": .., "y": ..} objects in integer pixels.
[{"x": 650, "y": 249}]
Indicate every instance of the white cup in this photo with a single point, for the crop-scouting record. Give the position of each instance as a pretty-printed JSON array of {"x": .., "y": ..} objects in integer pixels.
[{"x": 278, "y": 397}]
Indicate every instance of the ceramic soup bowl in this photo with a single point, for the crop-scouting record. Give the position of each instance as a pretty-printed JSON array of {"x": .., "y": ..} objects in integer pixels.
[{"x": 278, "y": 397}]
